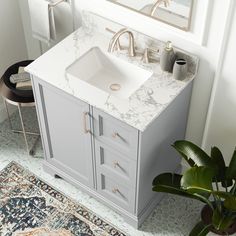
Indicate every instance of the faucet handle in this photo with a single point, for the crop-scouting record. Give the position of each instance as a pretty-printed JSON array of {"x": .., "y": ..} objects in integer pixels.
[
  {"x": 146, "y": 54},
  {"x": 118, "y": 46},
  {"x": 145, "y": 57},
  {"x": 154, "y": 49}
]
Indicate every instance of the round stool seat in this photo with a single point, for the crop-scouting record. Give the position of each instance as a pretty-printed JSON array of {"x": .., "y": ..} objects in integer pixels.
[{"x": 9, "y": 90}]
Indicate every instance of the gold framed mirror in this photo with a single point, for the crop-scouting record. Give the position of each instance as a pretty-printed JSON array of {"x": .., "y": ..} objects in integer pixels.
[{"x": 177, "y": 13}]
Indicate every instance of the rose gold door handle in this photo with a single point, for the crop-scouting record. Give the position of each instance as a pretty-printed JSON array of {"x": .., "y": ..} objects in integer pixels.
[{"x": 86, "y": 130}]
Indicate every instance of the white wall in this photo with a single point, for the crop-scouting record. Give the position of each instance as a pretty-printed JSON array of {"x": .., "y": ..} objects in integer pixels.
[
  {"x": 33, "y": 47},
  {"x": 12, "y": 40},
  {"x": 221, "y": 123}
]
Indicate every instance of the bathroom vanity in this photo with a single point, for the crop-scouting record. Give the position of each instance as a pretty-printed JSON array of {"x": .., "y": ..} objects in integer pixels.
[{"x": 108, "y": 142}]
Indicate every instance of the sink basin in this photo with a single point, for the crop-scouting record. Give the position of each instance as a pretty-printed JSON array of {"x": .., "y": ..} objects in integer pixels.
[{"x": 108, "y": 73}]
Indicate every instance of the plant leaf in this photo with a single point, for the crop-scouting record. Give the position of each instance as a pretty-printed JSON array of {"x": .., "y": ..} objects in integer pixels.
[
  {"x": 218, "y": 159},
  {"x": 231, "y": 171},
  {"x": 216, "y": 218},
  {"x": 170, "y": 183},
  {"x": 233, "y": 189},
  {"x": 200, "y": 229},
  {"x": 198, "y": 180},
  {"x": 170, "y": 178},
  {"x": 226, "y": 182},
  {"x": 178, "y": 147},
  {"x": 230, "y": 203},
  {"x": 226, "y": 222},
  {"x": 221, "y": 221},
  {"x": 193, "y": 154},
  {"x": 222, "y": 194},
  {"x": 179, "y": 192},
  {"x": 230, "y": 199}
]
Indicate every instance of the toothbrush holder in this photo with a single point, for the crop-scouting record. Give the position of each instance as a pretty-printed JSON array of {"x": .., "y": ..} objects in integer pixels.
[{"x": 180, "y": 69}]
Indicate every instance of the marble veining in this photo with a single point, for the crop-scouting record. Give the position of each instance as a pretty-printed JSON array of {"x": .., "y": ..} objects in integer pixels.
[{"x": 144, "y": 105}]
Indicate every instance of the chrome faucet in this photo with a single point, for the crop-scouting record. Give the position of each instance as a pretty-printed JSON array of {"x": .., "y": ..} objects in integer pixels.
[
  {"x": 115, "y": 39},
  {"x": 157, "y": 4}
]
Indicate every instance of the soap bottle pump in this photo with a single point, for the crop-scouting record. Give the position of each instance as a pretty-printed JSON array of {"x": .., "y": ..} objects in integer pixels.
[{"x": 167, "y": 58}]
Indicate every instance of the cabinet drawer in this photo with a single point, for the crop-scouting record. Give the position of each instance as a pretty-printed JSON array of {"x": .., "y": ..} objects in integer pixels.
[
  {"x": 117, "y": 192},
  {"x": 117, "y": 134},
  {"x": 115, "y": 163}
]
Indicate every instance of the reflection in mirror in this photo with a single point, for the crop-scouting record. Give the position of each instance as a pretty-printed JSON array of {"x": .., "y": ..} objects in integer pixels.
[{"x": 173, "y": 12}]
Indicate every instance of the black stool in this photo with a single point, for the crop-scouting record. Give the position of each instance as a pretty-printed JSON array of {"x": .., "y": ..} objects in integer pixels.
[{"x": 17, "y": 97}]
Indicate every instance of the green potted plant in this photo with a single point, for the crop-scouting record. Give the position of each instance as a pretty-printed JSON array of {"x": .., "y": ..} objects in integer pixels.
[{"x": 208, "y": 180}]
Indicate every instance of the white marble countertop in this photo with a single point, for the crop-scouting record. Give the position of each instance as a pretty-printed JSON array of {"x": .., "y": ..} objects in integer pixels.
[{"x": 139, "y": 110}]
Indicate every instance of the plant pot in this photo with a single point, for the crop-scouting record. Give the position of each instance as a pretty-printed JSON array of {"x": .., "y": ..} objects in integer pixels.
[{"x": 206, "y": 216}]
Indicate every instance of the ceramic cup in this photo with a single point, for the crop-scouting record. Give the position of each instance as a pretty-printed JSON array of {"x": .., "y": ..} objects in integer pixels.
[{"x": 180, "y": 69}]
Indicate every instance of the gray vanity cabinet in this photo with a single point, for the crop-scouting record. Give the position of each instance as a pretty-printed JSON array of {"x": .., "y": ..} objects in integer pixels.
[
  {"x": 116, "y": 154},
  {"x": 108, "y": 159},
  {"x": 67, "y": 144}
]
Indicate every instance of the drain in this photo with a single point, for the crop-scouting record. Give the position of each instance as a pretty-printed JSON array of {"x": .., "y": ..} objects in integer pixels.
[{"x": 115, "y": 87}]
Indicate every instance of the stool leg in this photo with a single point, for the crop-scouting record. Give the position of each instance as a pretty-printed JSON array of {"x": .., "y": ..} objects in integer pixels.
[
  {"x": 8, "y": 114},
  {"x": 23, "y": 128}
]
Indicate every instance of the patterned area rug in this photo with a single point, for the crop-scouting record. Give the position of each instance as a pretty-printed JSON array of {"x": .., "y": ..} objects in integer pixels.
[{"x": 31, "y": 207}]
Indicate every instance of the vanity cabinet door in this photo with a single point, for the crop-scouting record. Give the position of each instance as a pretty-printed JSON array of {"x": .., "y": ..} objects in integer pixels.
[{"x": 65, "y": 125}]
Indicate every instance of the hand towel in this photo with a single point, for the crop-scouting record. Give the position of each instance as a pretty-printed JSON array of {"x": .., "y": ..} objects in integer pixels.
[
  {"x": 63, "y": 16},
  {"x": 42, "y": 20}
]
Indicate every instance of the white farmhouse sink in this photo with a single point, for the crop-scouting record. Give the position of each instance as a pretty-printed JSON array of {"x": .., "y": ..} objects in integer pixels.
[{"x": 108, "y": 73}]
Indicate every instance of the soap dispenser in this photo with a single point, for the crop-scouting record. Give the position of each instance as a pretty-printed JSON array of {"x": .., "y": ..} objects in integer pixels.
[{"x": 167, "y": 58}]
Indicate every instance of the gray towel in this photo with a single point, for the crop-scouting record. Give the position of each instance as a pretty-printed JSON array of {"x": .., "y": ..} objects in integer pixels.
[{"x": 21, "y": 77}]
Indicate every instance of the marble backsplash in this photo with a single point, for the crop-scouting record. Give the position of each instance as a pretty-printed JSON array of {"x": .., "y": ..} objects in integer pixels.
[{"x": 94, "y": 22}]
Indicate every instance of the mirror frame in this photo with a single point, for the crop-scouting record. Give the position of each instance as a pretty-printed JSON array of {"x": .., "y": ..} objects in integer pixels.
[{"x": 186, "y": 29}]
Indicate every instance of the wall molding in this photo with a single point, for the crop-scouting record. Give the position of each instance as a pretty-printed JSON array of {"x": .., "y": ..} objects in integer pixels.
[
  {"x": 201, "y": 17},
  {"x": 223, "y": 50},
  {"x": 206, "y": 26}
]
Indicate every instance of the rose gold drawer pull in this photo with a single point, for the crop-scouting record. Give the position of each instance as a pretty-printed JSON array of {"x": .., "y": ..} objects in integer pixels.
[
  {"x": 115, "y": 190},
  {"x": 85, "y": 123},
  {"x": 115, "y": 135},
  {"x": 115, "y": 164}
]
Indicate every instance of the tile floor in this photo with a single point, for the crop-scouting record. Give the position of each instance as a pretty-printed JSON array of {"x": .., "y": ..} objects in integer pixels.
[{"x": 174, "y": 216}]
